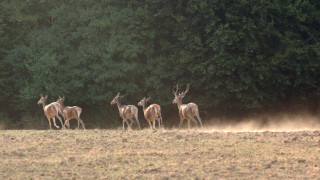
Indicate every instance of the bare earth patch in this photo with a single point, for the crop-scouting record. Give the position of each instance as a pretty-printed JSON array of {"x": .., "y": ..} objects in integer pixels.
[{"x": 168, "y": 154}]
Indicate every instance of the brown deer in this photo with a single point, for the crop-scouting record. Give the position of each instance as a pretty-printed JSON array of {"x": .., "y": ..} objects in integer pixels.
[
  {"x": 126, "y": 112},
  {"x": 70, "y": 113},
  {"x": 186, "y": 111},
  {"x": 51, "y": 111},
  {"x": 151, "y": 113}
]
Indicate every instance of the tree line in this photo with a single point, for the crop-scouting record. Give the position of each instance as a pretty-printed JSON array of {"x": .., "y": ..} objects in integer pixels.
[{"x": 238, "y": 56}]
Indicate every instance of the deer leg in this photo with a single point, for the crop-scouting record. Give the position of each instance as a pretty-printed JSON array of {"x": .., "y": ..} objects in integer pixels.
[
  {"x": 49, "y": 122},
  {"x": 80, "y": 120},
  {"x": 150, "y": 125},
  {"x": 123, "y": 124},
  {"x": 155, "y": 118},
  {"x": 181, "y": 121},
  {"x": 199, "y": 119},
  {"x": 194, "y": 121},
  {"x": 154, "y": 121},
  {"x": 78, "y": 123},
  {"x": 60, "y": 121},
  {"x": 125, "y": 121},
  {"x": 66, "y": 123},
  {"x": 61, "y": 114},
  {"x": 136, "y": 116},
  {"x": 154, "y": 124},
  {"x": 188, "y": 123},
  {"x": 161, "y": 121},
  {"x": 129, "y": 127},
  {"x": 54, "y": 122},
  {"x": 131, "y": 122},
  {"x": 158, "y": 119},
  {"x": 64, "y": 118},
  {"x": 69, "y": 123}
]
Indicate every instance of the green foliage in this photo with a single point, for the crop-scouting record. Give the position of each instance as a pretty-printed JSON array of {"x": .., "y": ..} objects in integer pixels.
[
  {"x": 237, "y": 55},
  {"x": 17, "y": 19}
]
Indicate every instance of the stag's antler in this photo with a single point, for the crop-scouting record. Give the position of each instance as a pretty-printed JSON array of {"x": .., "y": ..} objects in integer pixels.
[
  {"x": 187, "y": 89},
  {"x": 175, "y": 93},
  {"x": 185, "y": 92}
]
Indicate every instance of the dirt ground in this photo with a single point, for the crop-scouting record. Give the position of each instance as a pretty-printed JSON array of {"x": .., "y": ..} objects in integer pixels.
[{"x": 164, "y": 154}]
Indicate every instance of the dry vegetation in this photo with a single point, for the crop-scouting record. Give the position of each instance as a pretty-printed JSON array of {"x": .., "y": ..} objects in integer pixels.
[{"x": 168, "y": 154}]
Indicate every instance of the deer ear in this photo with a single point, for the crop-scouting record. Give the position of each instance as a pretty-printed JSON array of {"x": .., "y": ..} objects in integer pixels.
[
  {"x": 63, "y": 97},
  {"x": 118, "y": 94},
  {"x": 46, "y": 97},
  {"x": 148, "y": 98}
]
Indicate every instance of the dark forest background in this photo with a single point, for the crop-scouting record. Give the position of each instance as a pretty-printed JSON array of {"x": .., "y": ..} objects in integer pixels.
[{"x": 240, "y": 57}]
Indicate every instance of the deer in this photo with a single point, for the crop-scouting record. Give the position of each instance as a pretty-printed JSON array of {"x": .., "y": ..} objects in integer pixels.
[
  {"x": 151, "y": 113},
  {"x": 126, "y": 112},
  {"x": 186, "y": 111},
  {"x": 70, "y": 112},
  {"x": 51, "y": 111}
]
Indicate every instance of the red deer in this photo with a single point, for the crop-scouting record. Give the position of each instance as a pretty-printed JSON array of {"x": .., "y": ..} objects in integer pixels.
[
  {"x": 151, "y": 113},
  {"x": 126, "y": 112},
  {"x": 186, "y": 111},
  {"x": 70, "y": 113},
  {"x": 51, "y": 111}
]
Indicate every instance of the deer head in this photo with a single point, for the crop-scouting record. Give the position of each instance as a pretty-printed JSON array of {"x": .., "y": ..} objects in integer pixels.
[
  {"x": 61, "y": 100},
  {"x": 178, "y": 96},
  {"x": 116, "y": 99},
  {"x": 42, "y": 99},
  {"x": 144, "y": 101}
]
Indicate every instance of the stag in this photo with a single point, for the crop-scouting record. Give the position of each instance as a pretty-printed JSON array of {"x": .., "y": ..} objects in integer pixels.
[
  {"x": 186, "y": 111},
  {"x": 126, "y": 112},
  {"x": 70, "y": 112},
  {"x": 151, "y": 113},
  {"x": 51, "y": 111}
]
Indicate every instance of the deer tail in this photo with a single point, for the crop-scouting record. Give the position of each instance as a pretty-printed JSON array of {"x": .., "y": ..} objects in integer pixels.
[
  {"x": 79, "y": 110},
  {"x": 160, "y": 115}
]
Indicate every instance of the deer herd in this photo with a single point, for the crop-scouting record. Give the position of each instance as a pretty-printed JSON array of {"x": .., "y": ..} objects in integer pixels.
[{"x": 152, "y": 113}]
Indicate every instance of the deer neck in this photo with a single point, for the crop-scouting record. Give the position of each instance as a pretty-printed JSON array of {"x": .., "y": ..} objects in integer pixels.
[
  {"x": 179, "y": 103},
  {"x": 62, "y": 106},
  {"x": 119, "y": 105},
  {"x": 43, "y": 104},
  {"x": 144, "y": 107}
]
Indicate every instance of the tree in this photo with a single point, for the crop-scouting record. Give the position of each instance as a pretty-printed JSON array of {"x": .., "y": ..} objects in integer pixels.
[{"x": 238, "y": 56}]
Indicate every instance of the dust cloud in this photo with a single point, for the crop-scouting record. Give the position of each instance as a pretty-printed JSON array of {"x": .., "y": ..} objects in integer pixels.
[{"x": 276, "y": 123}]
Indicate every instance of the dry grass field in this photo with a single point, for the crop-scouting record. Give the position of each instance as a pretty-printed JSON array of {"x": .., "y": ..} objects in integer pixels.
[{"x": 165, "y": 154}]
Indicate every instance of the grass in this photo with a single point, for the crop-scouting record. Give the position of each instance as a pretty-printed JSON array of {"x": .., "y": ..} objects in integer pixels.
[{"x": 169, "y": 154}]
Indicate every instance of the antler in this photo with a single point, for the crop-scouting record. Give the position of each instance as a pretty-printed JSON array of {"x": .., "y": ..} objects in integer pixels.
[
  {"x": 185, "y": 92},
  {"x": 175, "y": 93},
  {"x": 118, "y": 95},
  {"x": 187, "y": 89},
  {"x": 45, "y": 96}
]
